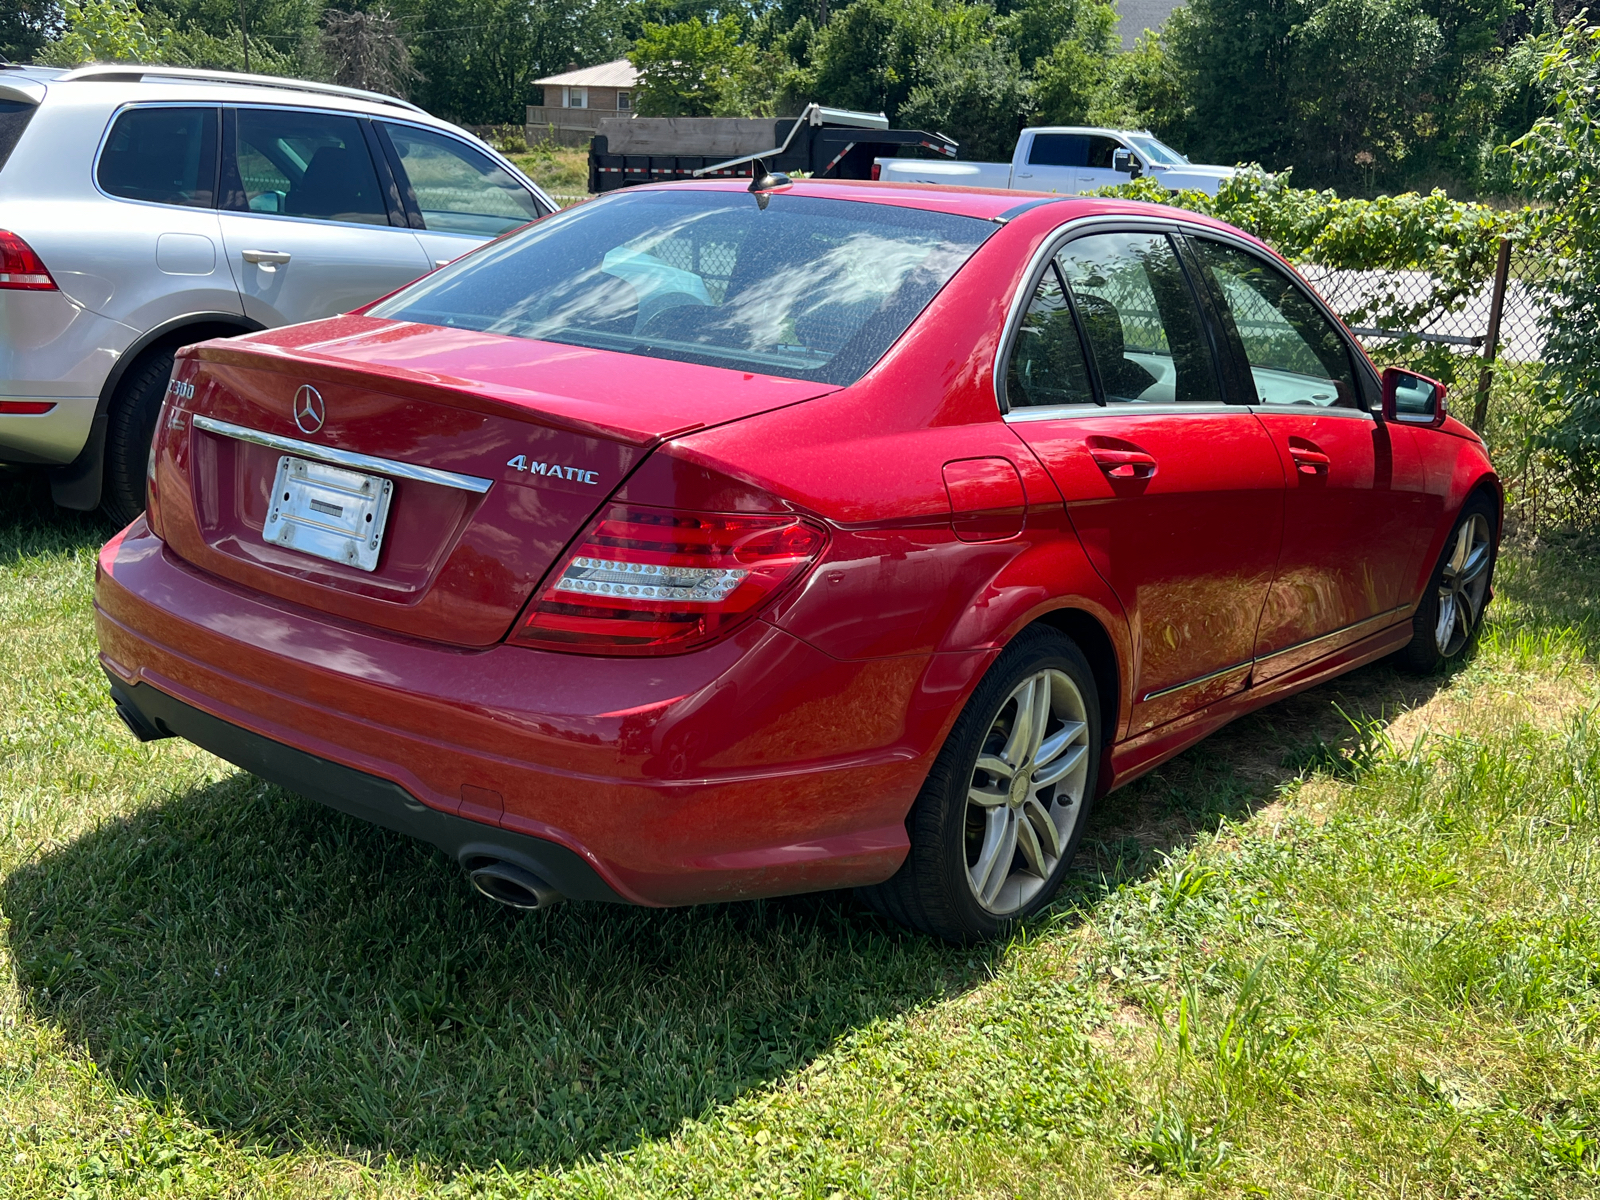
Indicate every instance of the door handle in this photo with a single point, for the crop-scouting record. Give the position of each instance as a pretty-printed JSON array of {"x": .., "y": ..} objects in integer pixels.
[
  {"x": 1309, "y": 462},
  {"x": 1024, "y": 174},
  {"x": 1124, "y": 464},
  {"x": 265, "y": 257}
]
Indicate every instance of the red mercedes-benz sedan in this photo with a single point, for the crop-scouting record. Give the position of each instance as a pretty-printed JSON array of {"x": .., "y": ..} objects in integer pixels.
[{"x": 695, "y": 544}]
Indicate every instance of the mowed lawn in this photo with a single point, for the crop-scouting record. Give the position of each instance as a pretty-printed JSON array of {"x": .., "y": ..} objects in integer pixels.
[{"x": 1348, "y": 947}]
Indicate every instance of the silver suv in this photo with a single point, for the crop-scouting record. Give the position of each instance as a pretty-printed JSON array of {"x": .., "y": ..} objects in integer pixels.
[{"x": 144, "y": 208}]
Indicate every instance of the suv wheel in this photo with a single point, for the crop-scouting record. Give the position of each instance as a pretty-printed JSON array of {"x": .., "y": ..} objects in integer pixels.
[
  {"x": 1448, "y": 620},
  {"x": 1000, "y": 817},
  {"x": 134, "y": 410}
]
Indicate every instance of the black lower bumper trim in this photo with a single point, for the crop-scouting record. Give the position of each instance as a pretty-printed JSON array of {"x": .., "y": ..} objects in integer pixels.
[{"x": 380, "y": 801}]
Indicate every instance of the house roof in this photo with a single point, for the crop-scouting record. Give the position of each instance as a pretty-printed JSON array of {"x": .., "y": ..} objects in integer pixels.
[
  {"x": 618, "y": 74},
  {"x": 1138, "y": 15}
]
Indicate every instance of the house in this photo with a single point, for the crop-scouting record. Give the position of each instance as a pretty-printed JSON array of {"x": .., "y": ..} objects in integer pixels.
[
  {"x": 1135, "y": 16},
  {"x": 575, "y": 101}
]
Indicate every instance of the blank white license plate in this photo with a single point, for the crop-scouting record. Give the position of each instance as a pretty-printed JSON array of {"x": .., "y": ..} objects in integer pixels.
[{"x": 328, "y": 511}]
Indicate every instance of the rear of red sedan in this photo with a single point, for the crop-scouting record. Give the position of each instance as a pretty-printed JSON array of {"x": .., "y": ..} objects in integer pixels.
[{"x": 471, "y": 566}]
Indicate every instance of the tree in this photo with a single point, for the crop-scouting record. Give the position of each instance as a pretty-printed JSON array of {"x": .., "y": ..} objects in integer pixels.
[
  {"x": 1233, "y": 57},
  {"x": 1142, "y": 90},
  {"x": 364, "y": 49},
  {"x": 102, "y": 31},
  {"x": 980, "y": 97},
  {"x": 1558, "y": 162},
  {"x": 25, "y": 26},
  {"x": 688, "y": 69}
]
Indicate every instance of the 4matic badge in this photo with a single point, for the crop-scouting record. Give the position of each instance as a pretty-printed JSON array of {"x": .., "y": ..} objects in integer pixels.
[{"x": 553, "y": 470}]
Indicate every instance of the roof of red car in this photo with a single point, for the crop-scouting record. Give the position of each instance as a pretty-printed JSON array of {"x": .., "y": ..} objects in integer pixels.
[{"x": 984, "y": 203}]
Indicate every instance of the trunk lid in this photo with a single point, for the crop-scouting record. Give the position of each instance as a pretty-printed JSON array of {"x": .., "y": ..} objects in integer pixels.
[{"x": 493, "y": 451}]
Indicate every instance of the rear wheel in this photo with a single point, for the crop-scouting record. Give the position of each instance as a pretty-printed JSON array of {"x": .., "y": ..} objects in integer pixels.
[
  {"x": 999, "y": 819},
  {"x": 1450, "y": 616},
  {"x": 134, "y": 410}
]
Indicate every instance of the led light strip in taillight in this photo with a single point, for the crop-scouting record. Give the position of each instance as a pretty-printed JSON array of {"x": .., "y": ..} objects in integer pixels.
[
  {"x": 643, "y": 580},
  {"x": 649, "y": 581}
]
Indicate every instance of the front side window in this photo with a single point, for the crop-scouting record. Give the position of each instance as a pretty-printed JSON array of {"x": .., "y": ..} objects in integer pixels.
[
  {"x": 1296, "y": 354},
  {"x": 805, "y": 287},
  {"x": 164, "y": 155},
  {"x": 1059, "y": 150},
  {"x": 458, "y": 189},
  {"x": 1103, "y": 152},
  {"x": 312, "y": 165},
  {"x": 1140, "y": 319},
  {"x": 1047, "y": 366}
]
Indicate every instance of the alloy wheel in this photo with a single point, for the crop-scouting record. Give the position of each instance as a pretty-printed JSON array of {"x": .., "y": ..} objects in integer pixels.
[
  {"x": 1463, "y": 584},
  {"x": 1026, "y": 791}
]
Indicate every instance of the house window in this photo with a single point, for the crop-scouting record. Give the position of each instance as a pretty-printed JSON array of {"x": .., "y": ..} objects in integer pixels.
[
  {"x": 577, "y": 97},
  {"x": 624, "y": 102}
]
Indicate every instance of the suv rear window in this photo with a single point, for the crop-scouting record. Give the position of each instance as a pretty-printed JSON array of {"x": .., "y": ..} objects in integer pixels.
[
  {"x": 805, "y": 287},
  {"x": 14, "y": 118},
  {"x": 165, "y": 155}
]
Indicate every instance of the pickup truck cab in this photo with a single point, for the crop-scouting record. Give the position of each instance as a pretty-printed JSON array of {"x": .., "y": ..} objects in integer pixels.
[{"x": 1069, "y": 159}]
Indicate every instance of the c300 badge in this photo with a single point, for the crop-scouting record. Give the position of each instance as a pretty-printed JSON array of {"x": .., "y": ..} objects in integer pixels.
[{"x": 522, "y": 462}]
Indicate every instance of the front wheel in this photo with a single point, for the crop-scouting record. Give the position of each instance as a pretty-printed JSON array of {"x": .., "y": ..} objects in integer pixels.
[
  {"x": 1450, "y": 616},
  {"x": 999, "y": 819}
]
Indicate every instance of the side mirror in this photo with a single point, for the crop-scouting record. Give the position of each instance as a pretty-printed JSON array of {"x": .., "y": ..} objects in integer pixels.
[
  {"x": 1413, "y": 399},
  {"x": 1125, "y": 163}
]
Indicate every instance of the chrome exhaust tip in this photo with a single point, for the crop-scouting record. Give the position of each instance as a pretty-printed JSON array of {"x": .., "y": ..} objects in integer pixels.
[{"x": 513, "y": 886}]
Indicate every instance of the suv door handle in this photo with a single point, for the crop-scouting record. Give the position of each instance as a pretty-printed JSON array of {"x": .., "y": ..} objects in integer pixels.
[
  {"x": 1309, "y": 462},
  {"x": 265, "y": 256},
  {"x": 1124, "y": 464}
]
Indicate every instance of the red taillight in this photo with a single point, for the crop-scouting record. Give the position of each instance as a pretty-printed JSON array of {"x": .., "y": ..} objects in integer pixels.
[
  {"x": 20, "y": 268},
  {"x": 657, "y": 581},
  {"x": 25, "y": 408},
  {"x": 877, "y": 170}
]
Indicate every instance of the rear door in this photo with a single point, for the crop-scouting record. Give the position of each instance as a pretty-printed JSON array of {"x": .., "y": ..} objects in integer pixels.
[
  {"x": 1176, "y": 496},
  {"x": 1097, "y": 171},
  {"x": 456, "y": 197},
  {"x": 310, "y": 224},
  {"x": 1052, "y": 163},
  {"x": 1355, "y": 499}
]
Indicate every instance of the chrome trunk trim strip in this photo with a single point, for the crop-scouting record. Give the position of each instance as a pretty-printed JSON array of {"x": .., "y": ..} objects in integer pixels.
[{"x": 345, "y": 458}]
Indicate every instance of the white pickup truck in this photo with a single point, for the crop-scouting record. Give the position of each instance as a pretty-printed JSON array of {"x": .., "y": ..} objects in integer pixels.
[{"x": 1068, "y": 159}]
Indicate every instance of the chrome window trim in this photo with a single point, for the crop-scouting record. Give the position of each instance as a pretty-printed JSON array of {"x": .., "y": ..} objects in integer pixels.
[
  {"x": 1130, "y": 408},
  {"x": 1312, "y": 410},
  {"x": 344, "y": 458},
  {"x": 1060, "y": 236}
]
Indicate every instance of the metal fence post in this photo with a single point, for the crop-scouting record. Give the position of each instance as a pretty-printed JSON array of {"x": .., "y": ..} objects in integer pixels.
[{"x": 1491, "y": 343}]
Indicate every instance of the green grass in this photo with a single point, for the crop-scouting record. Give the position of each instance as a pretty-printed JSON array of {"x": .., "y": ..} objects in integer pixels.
[
  {"x": 1350, "y": 946},
  {"x": 560, "y": 170}
]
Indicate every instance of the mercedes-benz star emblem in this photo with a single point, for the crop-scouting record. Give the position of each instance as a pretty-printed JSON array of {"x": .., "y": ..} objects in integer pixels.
[{"x": 309, "y": 410}]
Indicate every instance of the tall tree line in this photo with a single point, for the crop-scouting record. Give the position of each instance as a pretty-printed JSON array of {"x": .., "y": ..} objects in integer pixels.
[{"x": 1364, "y": 95}]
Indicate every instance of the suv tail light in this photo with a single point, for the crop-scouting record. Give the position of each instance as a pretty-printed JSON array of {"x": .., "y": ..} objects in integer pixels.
[
  {"x": 20, "y": 267},
  {"x": 643, "y": 580}
]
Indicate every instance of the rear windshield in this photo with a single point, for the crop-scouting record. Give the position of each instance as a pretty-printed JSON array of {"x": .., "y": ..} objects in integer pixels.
[
  {"x": 804, "y": 287},
  {"x": 14, "y": 118}
]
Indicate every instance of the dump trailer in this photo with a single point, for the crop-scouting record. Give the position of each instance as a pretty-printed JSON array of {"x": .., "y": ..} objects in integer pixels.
[{"x": 829, "y": 143}]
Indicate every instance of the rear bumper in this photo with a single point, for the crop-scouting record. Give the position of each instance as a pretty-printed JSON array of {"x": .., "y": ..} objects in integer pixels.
[
  {"x": 51, "y": 438},
  {"x": 56, "y": 351},
  {"x": 361, "y": 795},
  {"x": 757, "y": 767}
]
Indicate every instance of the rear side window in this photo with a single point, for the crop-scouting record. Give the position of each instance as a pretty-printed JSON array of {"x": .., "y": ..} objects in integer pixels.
[
  {"x": 801, "y": 286},
  {"x": 312, "y": 165},
  {"x": 457, "y": 189},
  {"x": 14, "y": 118},
  {"x": 1047, "y": 366},
  {"x": 1140, "y": 319},
  {"x": 163, "y": 155},
  {"x": 1059, "y": 150}
]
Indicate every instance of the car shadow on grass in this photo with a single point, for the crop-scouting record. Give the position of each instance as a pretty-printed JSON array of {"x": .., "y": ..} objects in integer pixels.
[
  {"x": 31, "y": 524},
  {"x": 295, "y": 977}
]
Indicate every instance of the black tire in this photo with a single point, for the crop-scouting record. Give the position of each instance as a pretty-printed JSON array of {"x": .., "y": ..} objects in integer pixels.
[
  {"x": 135, "y": 407},
  {"x": 1465, "y": 593},
  {"x": 935, "y": 890}
]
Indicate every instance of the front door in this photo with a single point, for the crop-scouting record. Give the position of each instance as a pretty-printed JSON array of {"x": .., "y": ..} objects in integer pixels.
[
  {"x": 1355, "y": 496},
  {"x": 306, "y": 223},
  {"x": 1176, "y": 496},
  {"x": 1098, "y": 171}
]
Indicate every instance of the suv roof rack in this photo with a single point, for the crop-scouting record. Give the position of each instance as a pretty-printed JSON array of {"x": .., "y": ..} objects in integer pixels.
[{"x": 132, "y": 73}]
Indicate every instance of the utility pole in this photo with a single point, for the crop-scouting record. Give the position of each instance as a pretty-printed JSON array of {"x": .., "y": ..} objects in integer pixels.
[{"x": 244, "y": 33}]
